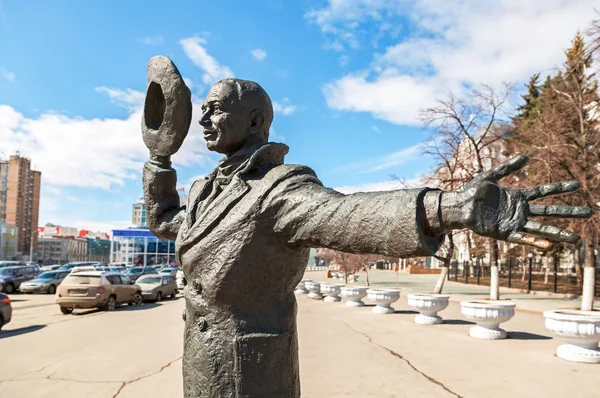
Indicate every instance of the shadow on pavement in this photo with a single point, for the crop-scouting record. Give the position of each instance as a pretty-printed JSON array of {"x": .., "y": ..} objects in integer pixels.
[
  {"x": 145, "y": 306},
  {"x": 16, "y": 332},
  {"x": 405, "y": 312},
  {"x": 527, "y": 336},
  {"x": 457, "y": 322}
]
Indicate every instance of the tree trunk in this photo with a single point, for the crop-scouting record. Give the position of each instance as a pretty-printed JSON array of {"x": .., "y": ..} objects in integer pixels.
[
  {"x": 439, "y": 286},
  {"x": 546, "y": 268},
  {"x": 367, "y": 272},
  {"x": 494, "y": 281},
  {"x": 577, "y": 264},
  {"x": 589, "y": 277}
]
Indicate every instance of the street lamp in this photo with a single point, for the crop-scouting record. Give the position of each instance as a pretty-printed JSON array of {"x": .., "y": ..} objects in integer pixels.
[{"x": 34, "y": 232}]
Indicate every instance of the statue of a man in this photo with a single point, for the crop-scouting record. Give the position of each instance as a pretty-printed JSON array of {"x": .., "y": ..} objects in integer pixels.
[{"x": 243, "y": 239}]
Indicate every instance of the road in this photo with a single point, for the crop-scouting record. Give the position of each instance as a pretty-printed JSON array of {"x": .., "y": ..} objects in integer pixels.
[{"x": 344, "y": 352}]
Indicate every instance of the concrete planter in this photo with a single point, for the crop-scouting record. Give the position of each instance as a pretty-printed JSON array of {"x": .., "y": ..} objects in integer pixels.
[
  {"x": 383, "y": 298},
  {"x": 354, "y": 295},
  {"x": 314, "y": 290},
  {"x": 581, "y": 330},
  {"x": 428, "y": 306},
  {"x": 301, "y": 288},
  {"x": 488, "y": 314},
  {"x": 331, "y": 292}
]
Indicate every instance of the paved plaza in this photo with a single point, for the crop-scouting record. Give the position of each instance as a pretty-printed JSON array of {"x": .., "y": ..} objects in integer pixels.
[{"x": 344, "y": 352}]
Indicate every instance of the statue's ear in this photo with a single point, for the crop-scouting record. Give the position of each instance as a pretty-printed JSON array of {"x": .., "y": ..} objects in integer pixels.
[{"x": 257, "y": 121}]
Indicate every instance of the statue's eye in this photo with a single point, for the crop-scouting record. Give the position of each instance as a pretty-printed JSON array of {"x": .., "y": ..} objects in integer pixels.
[{"x": 216, "y": 108}]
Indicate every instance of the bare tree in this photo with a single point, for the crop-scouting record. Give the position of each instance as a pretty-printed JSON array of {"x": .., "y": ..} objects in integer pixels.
[
  {"x": 468, "y": 133},
  {"x": 560, "y": 131},
  {"x": 348, "y": 262}
]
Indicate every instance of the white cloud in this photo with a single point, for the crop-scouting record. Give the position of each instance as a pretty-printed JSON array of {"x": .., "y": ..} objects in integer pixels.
[
  {"x": 344, "y": 60},
  {"x": 284, "y": 108},
  {"x": 452, "y": 45},
  {"x": 382, "y": 186},
  {"x": 259, "y": 54},
  {"x": 98, "y": 153},
  {"x": 394, "y": 159},
  {"x": 8, "y": 76},
  {"x": 128, "y": 98},
  {"x": 194, "y": 48},
  {"x": 99, "y": 226},
  {"x": 154, "y": 40},
  {"x": 275, "y": 137}
]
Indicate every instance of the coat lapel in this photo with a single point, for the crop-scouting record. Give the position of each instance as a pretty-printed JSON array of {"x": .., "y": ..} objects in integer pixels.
[{"x": 216, "y": 210}]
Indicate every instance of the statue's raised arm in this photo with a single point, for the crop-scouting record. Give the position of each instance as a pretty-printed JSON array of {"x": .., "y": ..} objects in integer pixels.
[{"x": 165, "y": 123}]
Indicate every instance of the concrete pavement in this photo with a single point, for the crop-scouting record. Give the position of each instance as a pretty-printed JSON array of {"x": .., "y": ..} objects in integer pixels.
[{"x": 344, "y": 352}]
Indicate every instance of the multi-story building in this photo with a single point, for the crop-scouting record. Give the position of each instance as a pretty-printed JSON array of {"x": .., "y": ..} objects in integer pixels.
[
  {"x": 59, "y": 245},
  {"x": 138, "y": 213},
  {"x": 138, "y": 246},
  {"x": 8, "y": 241},
  {"x": 138, "y": 210},
  {"x": 20, "y": 200}
]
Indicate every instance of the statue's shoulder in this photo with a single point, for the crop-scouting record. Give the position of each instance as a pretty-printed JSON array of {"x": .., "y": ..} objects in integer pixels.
[{"x": 289, "y": 173}]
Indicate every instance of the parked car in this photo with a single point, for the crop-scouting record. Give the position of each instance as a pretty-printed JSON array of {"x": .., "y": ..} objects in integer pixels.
[
  {"x": 135, "y": 272},
  {"x": 96, "y": 289},
  {"x": 84, "y": 268},
  {"x": 10, "y": 263},
  {"x": 70, "y": 266},
  {"x": 52, "y": 267},
  {"x": 179, "y": 280},
  {"x": 46, "y": 282},
  {"x": 12, "y": 277},
  {"x": 5, "y": 310},
  {"x": 172, "y": 272},
  {"x": 155, "y": 287}
]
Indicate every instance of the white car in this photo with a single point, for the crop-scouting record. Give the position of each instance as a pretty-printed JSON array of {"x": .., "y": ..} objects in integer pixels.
[{"x": 179, "y": 279}]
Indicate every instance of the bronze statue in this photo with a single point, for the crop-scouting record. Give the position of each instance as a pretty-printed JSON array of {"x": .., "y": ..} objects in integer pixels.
[{"x": 243, "y": 239}]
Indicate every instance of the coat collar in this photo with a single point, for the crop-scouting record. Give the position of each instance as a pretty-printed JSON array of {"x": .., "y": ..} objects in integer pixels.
[{"x": 264, "y": 156}]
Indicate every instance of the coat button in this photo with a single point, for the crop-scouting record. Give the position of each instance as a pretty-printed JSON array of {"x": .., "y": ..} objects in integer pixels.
[{"x": 202, "y": 324}]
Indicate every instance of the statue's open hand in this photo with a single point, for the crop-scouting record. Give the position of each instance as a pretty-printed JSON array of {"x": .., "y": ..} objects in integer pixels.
[{"x": 503, "y": 213}]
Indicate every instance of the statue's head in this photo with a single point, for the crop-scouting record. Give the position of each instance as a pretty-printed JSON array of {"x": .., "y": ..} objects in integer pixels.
[{"x": 235, "y": 113}]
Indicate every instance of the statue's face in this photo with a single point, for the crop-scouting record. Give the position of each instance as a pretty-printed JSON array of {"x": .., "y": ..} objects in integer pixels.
[{"x": 226, "y": 119}]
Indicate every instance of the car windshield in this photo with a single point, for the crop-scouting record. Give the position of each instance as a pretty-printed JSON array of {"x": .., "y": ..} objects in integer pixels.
[
  {"x": 166, "y": 270},
  {"x": 48, "y": 275},
  {"x": 8, "y": 271},
  {"x": 135, "y": 270},
  {"x": 151, "y": 280},
  {"x": 82, "y": 280}
]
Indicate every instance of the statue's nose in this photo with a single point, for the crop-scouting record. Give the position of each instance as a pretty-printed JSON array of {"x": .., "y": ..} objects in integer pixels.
[{"x": 205, "y": 121}]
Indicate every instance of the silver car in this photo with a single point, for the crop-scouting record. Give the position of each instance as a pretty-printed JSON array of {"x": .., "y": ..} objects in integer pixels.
[
  {"x": 46, "y": 282},
  {"x": 155, "y": 287}
]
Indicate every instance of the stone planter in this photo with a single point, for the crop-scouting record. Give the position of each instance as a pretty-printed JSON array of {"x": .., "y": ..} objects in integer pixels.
[
  {"x": 581, "y": 330},
  {"x": 301, "y": 288},
  {"x": 383, "y": 298},
  {"x": 354, "y": 295},
  {"x": 331, "y": 292},
  {"x": 428, "y": 306},
  {"x": 314, "y": 290},
  {"x": 488, "y": 314}
]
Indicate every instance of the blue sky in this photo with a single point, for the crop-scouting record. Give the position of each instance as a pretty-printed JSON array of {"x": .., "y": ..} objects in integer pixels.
[{"x": 347, "y": 78}]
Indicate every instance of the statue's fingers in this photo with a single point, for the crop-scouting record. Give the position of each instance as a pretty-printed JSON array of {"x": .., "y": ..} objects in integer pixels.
[
  {"x": 560, "y": 211},
  {"x": 551, "y": 232},
  {"x": 507, "y": 168},
  {"x": 525, "y": 239},
  {"x": 554, "y": 188}
]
